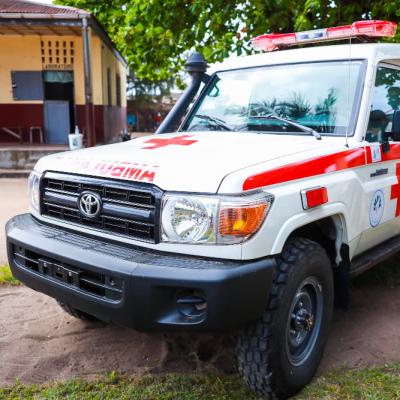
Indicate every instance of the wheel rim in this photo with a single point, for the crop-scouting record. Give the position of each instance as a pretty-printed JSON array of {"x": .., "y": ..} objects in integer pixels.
[{"x": 304, "y": 321}]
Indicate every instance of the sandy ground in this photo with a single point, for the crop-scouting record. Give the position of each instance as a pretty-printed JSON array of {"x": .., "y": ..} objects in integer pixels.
[
  {"x": 40, "y": 342},
  {"x": 13, "y": 200}
]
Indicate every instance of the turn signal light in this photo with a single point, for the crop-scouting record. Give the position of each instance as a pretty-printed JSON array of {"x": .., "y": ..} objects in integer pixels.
[
  {"x": 241, "y": 221},
  {"x": 314, "y": 197}
]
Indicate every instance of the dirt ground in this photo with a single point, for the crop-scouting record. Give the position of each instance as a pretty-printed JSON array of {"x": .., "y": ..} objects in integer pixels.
[
  {"x": 40, "y": 342},
  {"x": 13, "y": 200}
]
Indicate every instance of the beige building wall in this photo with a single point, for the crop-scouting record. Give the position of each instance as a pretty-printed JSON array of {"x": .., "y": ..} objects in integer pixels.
[
  {"x": 110, "y": 62},
  {"x": 18, "y": 53},
  {"x": 97, "y": 84},
  {"x": 24, "y": 53},
  {"x": 38, "y": 53}
]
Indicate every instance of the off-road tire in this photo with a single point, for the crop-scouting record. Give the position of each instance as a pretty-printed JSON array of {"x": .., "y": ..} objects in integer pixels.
[
  {"x": 262, "y": 353},
  {"x": 77, "y": 313}
]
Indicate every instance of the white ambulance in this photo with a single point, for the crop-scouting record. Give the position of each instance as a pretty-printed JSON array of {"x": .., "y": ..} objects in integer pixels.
[{"x": 281, "y": 183}]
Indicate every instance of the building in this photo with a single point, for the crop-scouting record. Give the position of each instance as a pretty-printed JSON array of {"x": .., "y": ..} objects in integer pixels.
[{"x": 58, "y": 69}]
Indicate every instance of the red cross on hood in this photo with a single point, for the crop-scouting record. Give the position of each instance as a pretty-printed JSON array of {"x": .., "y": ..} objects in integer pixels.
[{"x": 183, "y": 140}]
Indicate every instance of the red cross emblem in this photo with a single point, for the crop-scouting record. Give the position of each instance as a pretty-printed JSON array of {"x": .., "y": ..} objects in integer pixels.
[
  {"x": 395, "y": 191},
  {"x": 177, "y": 141}
]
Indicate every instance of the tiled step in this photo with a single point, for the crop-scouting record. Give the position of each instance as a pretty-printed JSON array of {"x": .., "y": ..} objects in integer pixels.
[{"x": 23, "y": 157}]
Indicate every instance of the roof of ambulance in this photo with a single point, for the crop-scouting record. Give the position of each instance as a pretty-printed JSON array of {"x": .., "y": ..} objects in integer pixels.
[{"x": 371, "y": 51}]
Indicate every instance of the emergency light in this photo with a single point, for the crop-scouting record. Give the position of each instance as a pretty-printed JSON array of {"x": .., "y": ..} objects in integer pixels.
[{"x": 359, "y": 29}]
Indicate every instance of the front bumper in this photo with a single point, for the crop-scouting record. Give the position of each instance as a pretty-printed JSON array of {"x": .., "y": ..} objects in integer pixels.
[{"x": 136, "y": 287}]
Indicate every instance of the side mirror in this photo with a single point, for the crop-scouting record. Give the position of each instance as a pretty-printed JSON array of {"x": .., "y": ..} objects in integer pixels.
[{"x": 395, "y": 134}]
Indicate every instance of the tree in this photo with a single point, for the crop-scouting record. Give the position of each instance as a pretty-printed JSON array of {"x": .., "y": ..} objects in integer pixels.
[{"x": 155, "y": 35}]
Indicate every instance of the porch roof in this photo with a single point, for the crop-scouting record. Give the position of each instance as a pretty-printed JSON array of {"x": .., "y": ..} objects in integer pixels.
[
  {"x": 26, "y": 26},
  {"x": 21, "y": 17}
]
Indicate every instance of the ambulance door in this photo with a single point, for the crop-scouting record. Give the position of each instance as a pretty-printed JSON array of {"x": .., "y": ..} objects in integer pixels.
[{"x": 381, "y": 175}]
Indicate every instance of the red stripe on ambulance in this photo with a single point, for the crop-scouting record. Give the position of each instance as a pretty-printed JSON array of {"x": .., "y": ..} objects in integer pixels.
[
  {"x": 304, "y": 169},
  {"x": 319, "y": 165}
]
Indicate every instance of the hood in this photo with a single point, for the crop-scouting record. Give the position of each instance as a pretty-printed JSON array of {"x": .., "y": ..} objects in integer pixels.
[{"x": 191, "y": 162}]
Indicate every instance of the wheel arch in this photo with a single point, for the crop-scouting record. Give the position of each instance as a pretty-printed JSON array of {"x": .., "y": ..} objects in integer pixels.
[
  {"x": 328, "y": 227},
  {"x": 329, "y": 231}
]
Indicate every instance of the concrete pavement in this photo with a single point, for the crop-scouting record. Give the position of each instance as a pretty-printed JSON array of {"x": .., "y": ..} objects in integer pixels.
[{"x": 13, "y": 200}]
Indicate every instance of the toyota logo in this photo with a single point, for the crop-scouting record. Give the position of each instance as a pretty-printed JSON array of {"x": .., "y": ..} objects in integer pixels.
[{"x": 90, "y": 204}]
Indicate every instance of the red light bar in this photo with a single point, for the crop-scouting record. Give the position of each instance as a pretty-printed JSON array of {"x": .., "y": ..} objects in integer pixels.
[{"x": 273, "y": 41}]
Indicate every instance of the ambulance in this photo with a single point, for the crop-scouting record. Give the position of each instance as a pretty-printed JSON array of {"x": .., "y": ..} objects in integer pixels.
[{"x": 251, "y": 211}]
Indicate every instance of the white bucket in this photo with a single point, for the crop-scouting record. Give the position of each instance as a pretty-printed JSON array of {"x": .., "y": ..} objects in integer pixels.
[{"x": 75, "y": 141}]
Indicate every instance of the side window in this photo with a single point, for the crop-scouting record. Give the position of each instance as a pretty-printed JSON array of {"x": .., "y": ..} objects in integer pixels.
[
  {"x": 118, "y": 89},
  {"x": 109, "y": 96},
  {"x": 385, "y": 100}
]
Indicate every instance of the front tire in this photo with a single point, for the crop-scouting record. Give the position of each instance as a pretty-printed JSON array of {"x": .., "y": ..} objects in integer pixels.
[{"x": 279, "y": 354}]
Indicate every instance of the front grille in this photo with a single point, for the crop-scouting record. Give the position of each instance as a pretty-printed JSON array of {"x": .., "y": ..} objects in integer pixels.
[
  {"x": 128, "y": 209},
  {"x": 97, "y": 284}
]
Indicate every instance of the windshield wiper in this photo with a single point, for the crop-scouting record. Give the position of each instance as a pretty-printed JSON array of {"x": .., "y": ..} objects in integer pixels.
[
  {"x": 303, "y": 128},
  {"x": 216, "y": 120}
]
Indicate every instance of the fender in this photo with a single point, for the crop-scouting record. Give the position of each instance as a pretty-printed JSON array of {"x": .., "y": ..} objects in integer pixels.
[{"x": 299, "y": 220}]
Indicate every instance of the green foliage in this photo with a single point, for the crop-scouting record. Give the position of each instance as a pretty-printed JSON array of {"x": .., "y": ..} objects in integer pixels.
[
  {"x": 155, "y": 35},
  {"x": 6, "y": 276}
]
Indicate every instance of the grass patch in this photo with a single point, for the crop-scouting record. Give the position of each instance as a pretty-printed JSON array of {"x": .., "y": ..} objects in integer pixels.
[
  {"x": 365, "y": 384},
  {"x": 6, "y": 276},
  {"x": 149, "y": 387},
  {"x": 386, "y": 273},
  {"x": 372, "y": 383}
]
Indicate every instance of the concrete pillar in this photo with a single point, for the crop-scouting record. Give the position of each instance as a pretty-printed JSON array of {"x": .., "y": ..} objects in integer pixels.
[{"x": 89, "y": 114}]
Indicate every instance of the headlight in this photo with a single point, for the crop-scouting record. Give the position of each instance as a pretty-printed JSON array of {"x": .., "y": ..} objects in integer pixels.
[
  {"x": 189, "y": 219},
  {"x": 213, "y": 219},
  {"x": 34, "y": 190}
]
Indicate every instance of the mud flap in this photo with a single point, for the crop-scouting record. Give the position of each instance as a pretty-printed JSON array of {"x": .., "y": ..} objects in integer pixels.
[{"x": 342, "y": 279}]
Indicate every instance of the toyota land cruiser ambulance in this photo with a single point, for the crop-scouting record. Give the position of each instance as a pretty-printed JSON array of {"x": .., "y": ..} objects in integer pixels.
[{"x": 282, "y": 182}]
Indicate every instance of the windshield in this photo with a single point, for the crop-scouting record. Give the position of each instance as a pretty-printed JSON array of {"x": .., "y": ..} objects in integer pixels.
[{"x": 321, "y": 96}]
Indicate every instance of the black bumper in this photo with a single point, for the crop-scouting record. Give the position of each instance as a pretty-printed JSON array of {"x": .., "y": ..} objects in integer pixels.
[{"x": 136, "y": 287}]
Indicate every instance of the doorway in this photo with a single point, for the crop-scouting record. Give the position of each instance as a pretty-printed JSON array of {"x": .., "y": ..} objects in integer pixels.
[
  {"x": 56, "y": 121},
  {"x": 59, "y": 105}
]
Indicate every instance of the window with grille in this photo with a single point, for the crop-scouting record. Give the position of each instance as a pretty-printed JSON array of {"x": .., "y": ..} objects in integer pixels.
[{"x": 56, "y": 53}]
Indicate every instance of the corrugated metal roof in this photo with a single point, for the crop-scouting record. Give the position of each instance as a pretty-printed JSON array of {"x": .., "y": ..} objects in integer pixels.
[
  {"x": 23, "y": 17},
  {"x": 28, "y": 7}
]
